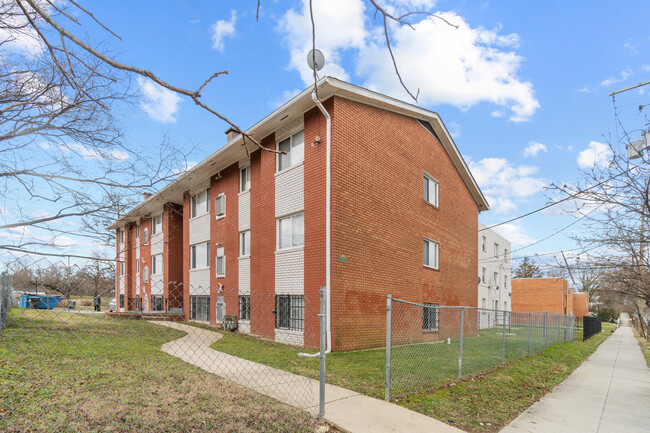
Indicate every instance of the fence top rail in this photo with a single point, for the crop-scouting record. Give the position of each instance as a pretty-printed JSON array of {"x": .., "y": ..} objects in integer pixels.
[{"x": 489, "y": 310}]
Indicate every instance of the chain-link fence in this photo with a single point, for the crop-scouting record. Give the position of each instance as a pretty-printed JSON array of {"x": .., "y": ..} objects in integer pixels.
[
  {"x": 74, "y": 356},
  {"x": 429, "y": 345}
]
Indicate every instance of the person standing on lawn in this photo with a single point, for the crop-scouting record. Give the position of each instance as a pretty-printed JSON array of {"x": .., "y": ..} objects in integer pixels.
[{"x": 98, "y": 303}]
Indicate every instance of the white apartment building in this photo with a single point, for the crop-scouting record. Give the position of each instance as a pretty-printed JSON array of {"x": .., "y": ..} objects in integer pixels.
[{"x": 494, "y": 289}]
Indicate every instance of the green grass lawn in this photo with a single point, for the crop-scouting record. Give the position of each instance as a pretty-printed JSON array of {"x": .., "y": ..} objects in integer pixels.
[
  {"x": 414, "y": 367},
  {"x": 65, "y": 372},
  {"x": 644, "y": 345},
  {"x": 486, "y": 403}
]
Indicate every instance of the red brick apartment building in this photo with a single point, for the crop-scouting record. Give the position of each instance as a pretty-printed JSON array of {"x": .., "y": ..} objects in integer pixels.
[
  {"x": 247, "y": 236},
  {"x": 553, "y": 295}
]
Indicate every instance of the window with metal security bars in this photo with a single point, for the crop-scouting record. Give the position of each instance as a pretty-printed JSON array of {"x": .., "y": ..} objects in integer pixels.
[
  {"x": 290, "y": 312},
  {"x": 245, "y": 307},
  {"x": 430, "y": 317},
  {"x": 430, "y": 190},
  {"x": 220, "y": 206},
  {"x": 157, "y": 303},
  {"x": 200, "y": 308}
]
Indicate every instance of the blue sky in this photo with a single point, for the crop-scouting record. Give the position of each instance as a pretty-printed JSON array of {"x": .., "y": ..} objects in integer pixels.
[{"x": 522, "y": 86}]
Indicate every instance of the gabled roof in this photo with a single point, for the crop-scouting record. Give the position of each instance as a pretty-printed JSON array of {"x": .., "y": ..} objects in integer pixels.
[{"x": 233, "y": 151}]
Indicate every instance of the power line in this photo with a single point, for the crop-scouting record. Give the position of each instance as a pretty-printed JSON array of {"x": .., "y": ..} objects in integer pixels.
[{"x": 574, "y": 195}]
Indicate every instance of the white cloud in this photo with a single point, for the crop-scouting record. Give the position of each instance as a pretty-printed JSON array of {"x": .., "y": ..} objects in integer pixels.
[
  {"x": 93, "y": 154},
  {"x": 16, "y": 33},
  {"x": 611, "y": 80},
  {"x": 3, "y": 212},
  {"x": 462, "y": 67},
  {"x": 186, "y": 167},
  {"x": 596, "y": 154},
  {"x": 223, "y": 29},
  {"x": 340, "y": 25},
  {"x": 534, "y": 148},
  {"x": 515, "y": 234},
  {"x": 499, "y": 177},
  {"x": 630, "y": 47},
  {"x": 159, "y": 103},
  {"x": 501, "y": 205}
]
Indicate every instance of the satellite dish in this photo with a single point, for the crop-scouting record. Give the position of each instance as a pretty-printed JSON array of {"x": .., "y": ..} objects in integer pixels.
[{"x": 318, "y": 57}]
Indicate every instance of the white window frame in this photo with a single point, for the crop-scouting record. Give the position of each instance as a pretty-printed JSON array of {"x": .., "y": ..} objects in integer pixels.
[
  {"x": 145, "y": 241},
  {"x": 245, "y": 179},
  {"x": 122, "y": 267},
  {"x": 245, "y": 243},
  {"x": 154, "y": 264},
  {"x": 290, "y": 220},
  {"x": 194, "y": 262},
  {"x": 220, "y": 198},
  {"x": 436, "y": 250},
  {"x": 496, "y": 279},
  {"x": 484, "y": 245},
  {"x": 155, "y": 224},
  {"x": 221, "y": 256},
  {"x": 137, "y": 231},
  {"x": 483, "y": 274},
  {"x": 427, "y": 195},
  {"x": 295, "y": 151},
  {"x": 196, "y": 210},
  {"x": 137, "y": 267},
  {"x": 496, "y": 250},
  {"x": 121, "y": 236},
  {"x": 505, "y": 254}
]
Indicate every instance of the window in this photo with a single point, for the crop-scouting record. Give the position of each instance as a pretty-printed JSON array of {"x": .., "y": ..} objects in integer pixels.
[
  {"x": 430, "y": 317},
  {"x": 294, "y": 147},
  {"x": 496, "y": 250},
  {"x": 291, "y": 231},
  {"x": 483, "y": 303},
  {"x": 145, "y": 236},
  {"x": 220, "y": 205},
  {"x": 220, "y": 262},
  {"x": 245, "y": 307},
  {"x": 121, "y": 301},
  {"x": 200, "y": 256},
  {"x": 137, "y": 231},
  {"x": 157, "y": 303},
  {"x": 483, "y": 275},
  {"x": 200, "y": 204},
  {"x": 430, "y": 190},
  {"x": 157, "y": 224},
  {"x": 157, "y": 264},
  {"x": 245, "y": 179},
  {"x": 496, "y": 279},
  {"x": 289, "y": 312},
  {"x": 145, "y": 274},
  {"x": 200, "y": 308},
  {"x": 430, "y": 254},
  {"x": 505, "y": 281},
  {"x": 245, "y": 243},
  {"x": 505, "y": 305},
  {"x": 505, "y": 254},
  {"x": 137, "y": 267},
  {"x": 484, "y": 244},
  {"x": 122, "y": 236},
  {"x": 121, "y": 268}
]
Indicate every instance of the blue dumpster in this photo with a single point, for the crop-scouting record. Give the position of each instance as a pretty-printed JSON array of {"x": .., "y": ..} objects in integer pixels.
[{"x": 43, "y": 302}]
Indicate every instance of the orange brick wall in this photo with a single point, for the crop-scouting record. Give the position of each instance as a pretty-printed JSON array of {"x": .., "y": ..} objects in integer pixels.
[
  {"x": 380, "y": 219},
  {"x": 580, "y": 304},
  {"x": 172, "y": 250},
  {"x": 531, "y": 295}
]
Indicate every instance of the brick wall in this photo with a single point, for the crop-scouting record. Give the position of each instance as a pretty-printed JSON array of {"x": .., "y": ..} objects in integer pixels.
[
  {"x": 530, "y": 295},
  {"x": 172, "y": 254},
  {"x": 380, "y": 219},
  {"x": 580, "y": 304}
]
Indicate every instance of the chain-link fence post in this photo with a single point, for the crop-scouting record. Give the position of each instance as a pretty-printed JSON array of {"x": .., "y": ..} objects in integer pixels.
[
  {"x": 323, "y": 331},
  {"x": 4, "y": 300},
  {"x": 388, "y": 337},
  {"x": 460, "y": 354},
  {"x": 530, "y": 335},
  {"x": 503, "y": 339},
  {"x": 546, "y": 328}
]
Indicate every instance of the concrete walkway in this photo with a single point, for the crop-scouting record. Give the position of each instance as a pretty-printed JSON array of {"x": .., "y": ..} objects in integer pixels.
[
  {"x": 347, "y": 410},
  {"x": 610, "y": 392}
]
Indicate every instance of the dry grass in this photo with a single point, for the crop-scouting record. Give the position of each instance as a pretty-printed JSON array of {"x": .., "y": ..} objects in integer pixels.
[
  {"x": 644, "y": 345},
  {"x": 62, "y": 372}
]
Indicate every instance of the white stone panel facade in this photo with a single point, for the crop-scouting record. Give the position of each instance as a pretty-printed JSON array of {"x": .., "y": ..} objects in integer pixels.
[
  {"x": 493, "y": 294},
  {"x": 244, "y": 276},
  {"x": 290, "y": 191},
  {"x": 290, "y": 271},
  {"x": 244, "y": 210},
  {"x": 294, "y": 338},
  {"x": 157, "y": 287},
  {"x": 200, "y": 282},
  {"x": 156, "y": 244},
  {"x": 199, "y": 229}
]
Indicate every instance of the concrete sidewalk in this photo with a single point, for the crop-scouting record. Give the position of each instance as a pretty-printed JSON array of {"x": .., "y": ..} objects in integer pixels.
[
  {"x": 347, "y": 410},
  {"x": 610, "y": 392}
]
